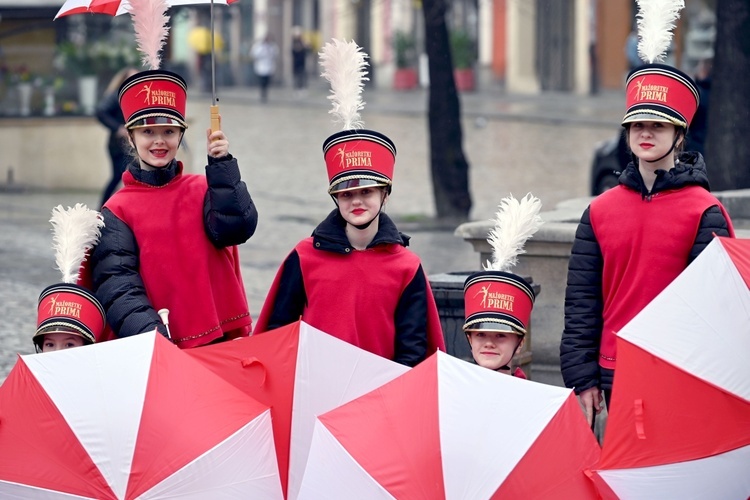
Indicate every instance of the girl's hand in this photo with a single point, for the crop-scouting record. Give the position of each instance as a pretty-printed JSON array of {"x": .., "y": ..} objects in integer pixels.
[{"x": 217, "y": 144}]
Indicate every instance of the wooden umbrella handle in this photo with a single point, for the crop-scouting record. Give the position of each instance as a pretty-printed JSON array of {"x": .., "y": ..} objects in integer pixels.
[{"x": 215, "y": 118}]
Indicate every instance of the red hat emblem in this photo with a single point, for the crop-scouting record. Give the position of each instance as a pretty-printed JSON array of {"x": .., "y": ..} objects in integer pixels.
[
  {"x": 497, "y": 298},
  {"x": 154, "y": 97},
  {"x": 657, "y": 92},
  {"x": 358, "y": 158},
  {"x": 67, "y": 307}
]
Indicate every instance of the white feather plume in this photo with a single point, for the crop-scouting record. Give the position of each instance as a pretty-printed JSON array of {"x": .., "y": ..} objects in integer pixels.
[
  {"x": 345, "y": 67},
  {"x": 515, "y": 222},
  {"x": 75, "y": 231},
  {"x": 151, "y": 29},
  {"x": 656, "y": 20}
]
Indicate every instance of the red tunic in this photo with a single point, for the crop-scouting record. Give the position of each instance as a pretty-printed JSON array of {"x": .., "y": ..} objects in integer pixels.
[
  {"x": 354, "y": 296},
  {"x": 181, "y": 269},
  {"x": 663, "y": 230}
]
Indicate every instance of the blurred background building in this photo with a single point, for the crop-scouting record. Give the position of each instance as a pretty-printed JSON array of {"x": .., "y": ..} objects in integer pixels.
[{"x": 519, "y": 46}]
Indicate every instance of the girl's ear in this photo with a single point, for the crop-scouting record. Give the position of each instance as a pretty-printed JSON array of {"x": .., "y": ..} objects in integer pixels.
[{"x": 520, "y": 345}]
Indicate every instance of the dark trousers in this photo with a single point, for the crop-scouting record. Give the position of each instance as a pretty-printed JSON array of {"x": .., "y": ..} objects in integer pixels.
[{"x": 264, "y": 81}]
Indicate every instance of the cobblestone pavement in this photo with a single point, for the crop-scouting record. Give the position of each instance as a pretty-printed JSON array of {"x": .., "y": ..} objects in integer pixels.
[{"x": 541, "y": 144}]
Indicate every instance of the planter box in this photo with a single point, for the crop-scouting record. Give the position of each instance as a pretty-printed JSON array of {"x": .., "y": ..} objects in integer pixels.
[
  {"x": 464, "y": 78},
  {"x": 405, "y": 79}
]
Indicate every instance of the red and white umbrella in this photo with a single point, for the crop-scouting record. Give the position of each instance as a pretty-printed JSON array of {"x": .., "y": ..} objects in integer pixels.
[
  {"x": 131, "y": 418},
  {"x": 117, "y": 7},
  {"x": 680, "y": 420},
  {"x": 450, "y": 429},
  {"x": 300, "y": 372}
]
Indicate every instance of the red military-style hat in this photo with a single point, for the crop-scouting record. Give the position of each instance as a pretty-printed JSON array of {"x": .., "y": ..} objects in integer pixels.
[
  {"x": 358, "y": 158},
  {"x": 154, "y": 97},
  {"x": 497, "y": 301},
  {"x": 69, "y": 308},
  {"x": 658, "y": 92}
]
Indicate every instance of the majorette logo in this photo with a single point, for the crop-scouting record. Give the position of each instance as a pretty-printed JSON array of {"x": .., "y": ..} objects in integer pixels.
[
  {"x": 649, "y": 92},
  {"x": 495, "y": 300},
  {"x": 158, "y": 97},
  {"x": 349, "y": 159},
  {"x": 64, "y": 308}
]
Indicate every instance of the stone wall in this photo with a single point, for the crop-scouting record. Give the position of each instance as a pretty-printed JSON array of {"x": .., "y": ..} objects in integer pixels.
[{"x": 61, "y": 153}]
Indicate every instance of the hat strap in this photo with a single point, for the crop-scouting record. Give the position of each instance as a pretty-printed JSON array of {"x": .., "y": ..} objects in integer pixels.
[{"x": 674, "y": 143}]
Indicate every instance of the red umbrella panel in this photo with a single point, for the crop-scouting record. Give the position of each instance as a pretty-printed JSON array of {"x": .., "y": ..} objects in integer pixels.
[
  {"x": 448, "y": 429},
  {"x": 300, "y": 372},
  {"x": 679, "y": 426},
  {"x": 131, "y": 418}
]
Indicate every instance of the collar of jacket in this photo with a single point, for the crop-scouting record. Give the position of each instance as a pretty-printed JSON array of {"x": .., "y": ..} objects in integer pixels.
[
  {"x": 330, "y": 234},
  {"x": 159, "y": 177},
  {"x": 690, "y": 170}
]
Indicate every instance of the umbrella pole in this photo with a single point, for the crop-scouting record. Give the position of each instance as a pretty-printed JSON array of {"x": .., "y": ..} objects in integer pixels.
[{"x": 215, "y": 119}]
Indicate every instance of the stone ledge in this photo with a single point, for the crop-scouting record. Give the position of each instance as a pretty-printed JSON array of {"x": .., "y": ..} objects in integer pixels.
[{"x": 546, "y": 263}]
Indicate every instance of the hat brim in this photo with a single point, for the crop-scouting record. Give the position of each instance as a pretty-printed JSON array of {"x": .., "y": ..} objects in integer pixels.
[
  {"x": 359, "y": 183},
  {"x": 645, "y": 116},
  {"x": 156, "y": 121},
  {"x": 493, "y": 326},
  {"x": 61, "y": 328}
]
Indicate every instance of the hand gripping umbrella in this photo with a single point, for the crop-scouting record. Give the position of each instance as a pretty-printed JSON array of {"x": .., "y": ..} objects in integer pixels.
[
  {"x": 300, "y": 372},
  {"x": 680, "y": 420},
  {"x": 448, "y": 429},
  {"x": 117, "y": 7},
  {"x": 131, "y": 418}
]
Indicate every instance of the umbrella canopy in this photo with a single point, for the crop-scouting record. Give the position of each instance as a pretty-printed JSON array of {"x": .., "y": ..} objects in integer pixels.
[
  {"x": 117, "y": 7},
  {"x": 300, "y": 372},
  {"x": 450, "y": 429},
  {"x": 680, "y": 420},
  {"x": 131, "y": 418}
]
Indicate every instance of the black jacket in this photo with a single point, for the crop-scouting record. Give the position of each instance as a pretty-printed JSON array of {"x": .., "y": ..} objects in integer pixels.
[
  {"x": 229, "y": 216},
  {"x": 579, "y": 348},
  {"x": 330, "y": 236}
]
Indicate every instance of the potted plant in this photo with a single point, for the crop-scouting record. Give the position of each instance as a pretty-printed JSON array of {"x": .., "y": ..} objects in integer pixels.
[
  {"x": 405, "y": 77},
  {"x": 92, "y": 61},
  {"x": 463, "y": 54}
]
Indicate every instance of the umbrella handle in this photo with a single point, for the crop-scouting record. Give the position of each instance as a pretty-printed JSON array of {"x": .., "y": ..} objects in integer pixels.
[{"x": 215, "y": 118}]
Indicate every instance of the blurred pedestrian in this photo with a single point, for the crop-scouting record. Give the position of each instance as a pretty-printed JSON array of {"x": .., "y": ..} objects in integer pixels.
[
  {"x": 299, "y": 60},
  {"x": 696, "y": 139},
  {"x": 264, "y": 54},
  {"x": 635, "y": 239},
  {"x": 170, "y": 239},
  {"x": 354, "y": 278},
  {"x": 109, "y": 114}
]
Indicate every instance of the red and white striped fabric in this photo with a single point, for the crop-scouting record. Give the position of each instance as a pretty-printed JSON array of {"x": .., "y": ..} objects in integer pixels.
[
  {"x": 300, "y": 372},
  {"x": 117, "y": 7},
  {"x": 450, "y": 429},
  {"x": 131, "y": 418},
  {"x": 680, "y": 420}
]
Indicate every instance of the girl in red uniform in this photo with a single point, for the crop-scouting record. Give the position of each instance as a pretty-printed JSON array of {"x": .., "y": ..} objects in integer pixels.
[
  {"x": 170, "y": 239},
  {"x": 354, "y": 277},
  {"x": 635, "y": 239}
]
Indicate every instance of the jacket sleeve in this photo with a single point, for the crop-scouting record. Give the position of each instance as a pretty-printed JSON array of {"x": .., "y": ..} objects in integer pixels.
[
  {"x": 287, "y": 298},
  {"x": 579, "y": 347},
  {"x": 411, "y": 321},
  {"x": 117, "y": 282},
  {"x": 229, "y": 214},
  {"x": 712, "y": 222}
]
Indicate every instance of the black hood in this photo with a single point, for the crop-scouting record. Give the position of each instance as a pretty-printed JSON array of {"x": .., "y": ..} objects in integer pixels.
[
  {"x": 690, "y": 170},
  {"x": 331, "y": 233}
]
